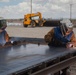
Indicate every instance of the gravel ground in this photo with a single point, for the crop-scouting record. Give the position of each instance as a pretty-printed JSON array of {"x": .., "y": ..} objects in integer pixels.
[
  {"x": 19, "y": 31},
  {"x": 37, "y": 32}
]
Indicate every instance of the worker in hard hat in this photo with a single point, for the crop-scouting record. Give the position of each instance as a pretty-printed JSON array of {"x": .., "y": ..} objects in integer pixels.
[
  {"x": 4, "y": 37},
  {"x": 62, "y": 35}
]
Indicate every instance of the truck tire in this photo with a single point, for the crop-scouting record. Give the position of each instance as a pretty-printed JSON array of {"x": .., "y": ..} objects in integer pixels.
[
  {"x": 25, "y": 25},
  {"x": 33, "y": 23},
  {"x": 41, "y": 23}
]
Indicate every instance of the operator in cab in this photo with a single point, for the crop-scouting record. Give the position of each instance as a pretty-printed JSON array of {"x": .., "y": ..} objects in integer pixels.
[
  {"x": 4, "y": 37},
  {"x": 62, "y": 35}
]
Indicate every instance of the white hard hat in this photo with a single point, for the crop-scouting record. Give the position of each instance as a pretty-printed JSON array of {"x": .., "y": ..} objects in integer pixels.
[
  {"x": 69, "y": 25},
  {"x": 67, "y": 22}
]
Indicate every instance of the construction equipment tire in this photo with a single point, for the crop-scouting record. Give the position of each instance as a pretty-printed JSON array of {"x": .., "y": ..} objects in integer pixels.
[
  {"x": 25, "y": 25},
  {"x": 33, "y": 23},
  {"x": 40, "y": 23}
]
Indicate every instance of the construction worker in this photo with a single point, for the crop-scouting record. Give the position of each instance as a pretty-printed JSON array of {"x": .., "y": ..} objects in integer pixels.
[
  {"x": 61, "y": 36},
  {"x": 3, "y": 34}
]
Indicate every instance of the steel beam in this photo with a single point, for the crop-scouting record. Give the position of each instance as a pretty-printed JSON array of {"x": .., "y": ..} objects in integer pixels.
[{"x": 57, "y": 67}]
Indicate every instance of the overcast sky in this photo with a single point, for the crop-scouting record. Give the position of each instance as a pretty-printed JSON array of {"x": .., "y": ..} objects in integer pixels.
[{"x": 49, "y": 8}]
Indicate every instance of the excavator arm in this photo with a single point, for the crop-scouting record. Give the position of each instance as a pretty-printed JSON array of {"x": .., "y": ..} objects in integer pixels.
[{"x": 28, "y": 19}]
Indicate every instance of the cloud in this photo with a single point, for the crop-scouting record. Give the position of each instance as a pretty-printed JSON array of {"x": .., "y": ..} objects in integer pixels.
[
  {"x": 15, "y": 11},
  {"x": 4, "y": 0},
  {"x": 48, "y": 8},
  {"x": 64, "y": 1}
]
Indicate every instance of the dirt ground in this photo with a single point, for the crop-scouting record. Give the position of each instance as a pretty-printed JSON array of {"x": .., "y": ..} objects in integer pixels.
[
  {"x": 37, "y": 32},
  {"x": 20, "y": 31}
]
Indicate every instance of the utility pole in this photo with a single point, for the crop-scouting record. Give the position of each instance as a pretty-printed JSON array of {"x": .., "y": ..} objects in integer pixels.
[
  {"x": 31, "y": 6},
  {"x": 71, "y": 11},
  {"x": 30, "y": 9}
]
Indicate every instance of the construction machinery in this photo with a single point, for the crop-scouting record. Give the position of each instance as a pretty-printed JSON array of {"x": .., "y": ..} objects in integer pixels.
[
  {"x": 4, "y": 37},
  {"x": 33, "y": 19}
]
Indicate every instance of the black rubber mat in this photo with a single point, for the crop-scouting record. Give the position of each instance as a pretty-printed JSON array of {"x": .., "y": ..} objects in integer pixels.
[{"x": 20, "y": 57}]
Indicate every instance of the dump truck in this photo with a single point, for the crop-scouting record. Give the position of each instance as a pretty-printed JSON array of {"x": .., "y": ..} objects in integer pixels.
[
  {"x": 33, "y": 19},
  {"x": 4, "y": 37}
]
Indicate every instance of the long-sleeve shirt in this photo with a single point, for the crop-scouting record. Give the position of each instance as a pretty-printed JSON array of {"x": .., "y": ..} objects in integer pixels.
[
  {"x": 4, "y": 37},
  {"x": 48, "y": 37}
]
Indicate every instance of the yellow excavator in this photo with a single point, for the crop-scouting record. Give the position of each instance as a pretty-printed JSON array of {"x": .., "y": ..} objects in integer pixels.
[
  {"x": 33, "y": 19},
  {"x": 4, "y": 37}
]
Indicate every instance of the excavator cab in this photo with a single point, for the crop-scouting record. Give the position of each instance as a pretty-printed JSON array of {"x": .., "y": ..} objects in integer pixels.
[{"x": 33, "y": 19}]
